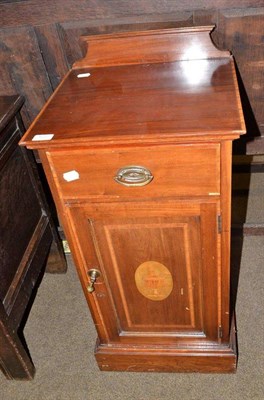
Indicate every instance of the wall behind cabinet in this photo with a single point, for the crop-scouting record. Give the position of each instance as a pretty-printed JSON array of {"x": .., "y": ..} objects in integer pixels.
[{"x": 39, "y": 42}]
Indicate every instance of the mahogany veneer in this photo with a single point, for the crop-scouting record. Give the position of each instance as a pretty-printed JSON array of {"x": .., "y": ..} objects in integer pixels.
[{"x": 136, "y": 144}]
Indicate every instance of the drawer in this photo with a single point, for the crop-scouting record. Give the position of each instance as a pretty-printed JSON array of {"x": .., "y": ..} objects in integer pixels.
[{"x": 180, "y": 170}]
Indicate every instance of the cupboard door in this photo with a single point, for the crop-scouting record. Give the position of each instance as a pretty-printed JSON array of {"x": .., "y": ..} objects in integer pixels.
[{"x": 158, "y": 264}]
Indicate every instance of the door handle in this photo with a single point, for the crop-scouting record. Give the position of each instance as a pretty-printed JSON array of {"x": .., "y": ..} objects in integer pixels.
[{"x": 93, "y": 274}]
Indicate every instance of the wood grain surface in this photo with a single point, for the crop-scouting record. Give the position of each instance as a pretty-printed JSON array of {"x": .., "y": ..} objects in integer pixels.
[
  {"x": 153, "y": 260},
  {"x": 173, "y": 173},
  {"x": 113, "y": 102},
  {"x": 54, "y": 31}
]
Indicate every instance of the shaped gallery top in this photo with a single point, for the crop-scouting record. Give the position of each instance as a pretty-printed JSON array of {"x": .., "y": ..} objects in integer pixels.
[{"x": 160, "y": 86}]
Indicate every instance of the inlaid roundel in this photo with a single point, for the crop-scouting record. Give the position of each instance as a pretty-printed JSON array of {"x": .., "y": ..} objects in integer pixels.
[{"x": 153, "y": 280}]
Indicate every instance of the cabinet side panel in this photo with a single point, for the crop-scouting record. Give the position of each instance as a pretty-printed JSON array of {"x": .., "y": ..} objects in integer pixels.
[{"x": 226, "y": 163}]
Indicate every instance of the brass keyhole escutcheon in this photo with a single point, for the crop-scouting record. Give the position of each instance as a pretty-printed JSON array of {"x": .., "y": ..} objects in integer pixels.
[{"x": 93, "y": 274}]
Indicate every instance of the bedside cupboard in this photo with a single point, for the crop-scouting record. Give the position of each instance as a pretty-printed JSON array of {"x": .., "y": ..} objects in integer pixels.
[{"x": 136, "y": 144}]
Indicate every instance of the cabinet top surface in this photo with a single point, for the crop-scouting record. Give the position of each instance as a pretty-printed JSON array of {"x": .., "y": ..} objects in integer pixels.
[{"x": 137, "y": 102}]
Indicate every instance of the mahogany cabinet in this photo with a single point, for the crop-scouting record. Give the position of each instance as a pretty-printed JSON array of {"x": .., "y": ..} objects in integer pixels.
[{"x": 136, "y": 144}]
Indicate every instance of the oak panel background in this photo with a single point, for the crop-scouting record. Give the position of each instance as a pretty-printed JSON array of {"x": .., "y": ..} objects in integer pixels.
[{"x": 40, "y": 41}]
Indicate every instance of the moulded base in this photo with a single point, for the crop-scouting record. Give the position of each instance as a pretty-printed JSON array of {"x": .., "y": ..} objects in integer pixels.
[
  {"x": 222, "y": 359},
  {"x": 160, "y": 361}
]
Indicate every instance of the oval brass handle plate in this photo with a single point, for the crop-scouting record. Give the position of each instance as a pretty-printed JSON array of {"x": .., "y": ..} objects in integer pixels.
[{"x": 133, "y": 175}]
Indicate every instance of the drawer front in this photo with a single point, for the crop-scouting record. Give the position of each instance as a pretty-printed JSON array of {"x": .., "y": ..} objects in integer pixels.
[{"x": 182, "y": 170}]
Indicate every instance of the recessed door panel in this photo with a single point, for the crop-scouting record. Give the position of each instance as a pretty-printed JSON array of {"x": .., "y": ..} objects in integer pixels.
[
  {"x": 154, "y": 267},
  {"x": 153, "y": 272}
]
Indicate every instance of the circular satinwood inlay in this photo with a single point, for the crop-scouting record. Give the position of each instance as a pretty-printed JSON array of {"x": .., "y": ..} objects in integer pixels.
[{"x": 153, "y": 280}]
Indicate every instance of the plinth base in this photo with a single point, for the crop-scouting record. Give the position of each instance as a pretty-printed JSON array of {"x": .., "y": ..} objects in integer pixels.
[
  {"x": 162, "y": 361},
  {"x": 222, "y": 359}
]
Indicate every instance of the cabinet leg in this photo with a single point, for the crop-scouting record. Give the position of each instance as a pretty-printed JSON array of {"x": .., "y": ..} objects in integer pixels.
[{"x": 14, "y": 359}]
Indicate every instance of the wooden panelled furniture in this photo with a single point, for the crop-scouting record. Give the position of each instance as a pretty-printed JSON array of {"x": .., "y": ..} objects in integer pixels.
[
  {"x": 26, "y": 234},
  {"x": 136, "y": 145},
  {"x": 40, "y": 44}
]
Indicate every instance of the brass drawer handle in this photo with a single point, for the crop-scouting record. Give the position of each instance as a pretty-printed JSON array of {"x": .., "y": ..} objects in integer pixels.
[{"x": 133, "y": 175}]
